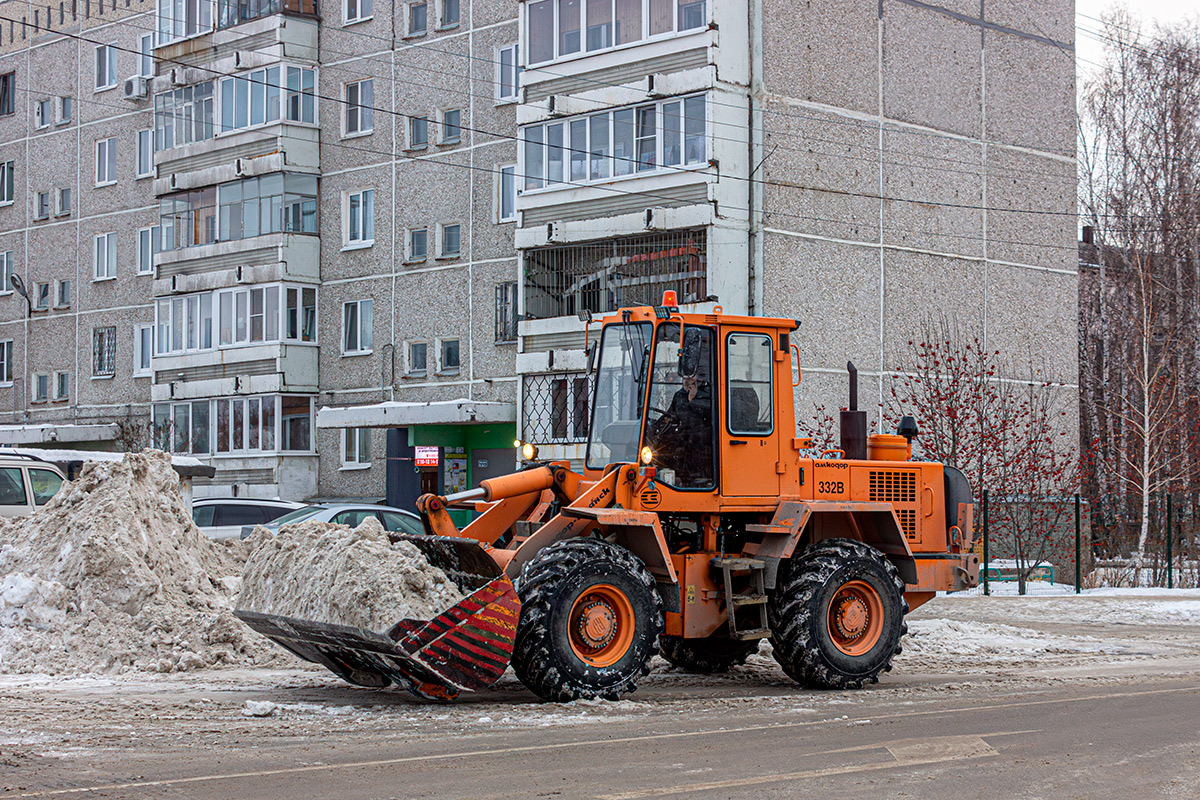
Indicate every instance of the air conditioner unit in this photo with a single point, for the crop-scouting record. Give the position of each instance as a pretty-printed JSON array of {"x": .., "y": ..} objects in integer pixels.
[{"x": 135, "y": 88}]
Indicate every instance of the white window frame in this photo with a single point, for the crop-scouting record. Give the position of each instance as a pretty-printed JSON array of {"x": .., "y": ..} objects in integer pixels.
[
  {"x": 358, "y": 15},
  {"x": 412, "y": 121},
  {"x": 63, "y": 202},
  {"x": 146, "y": 55},
  {"x": 196, "y": 19},
  {"x": 59, "y": 300},
  {"x": 457, "y": 137},
  {"x": 141, "y": 353},
  {"x": 505, "y": 93},
  {"x": 35, "y": 384},
  {"x": 359, "y": 114},
  {"x": 442, "y": 252},
  {"x": 64, "y": 109},
  {"x": 443, "y": 24},
  {"x": 145, "y": 153},
  {"x": 409, "y": 369},
  {"x": 41, "y": 205},
  {"x": 413, "y": 258},
  {"x": 355, "y": 237},
  {"x": 506, "y": 172},
  {"x": 59, "y": 394},
  {"x": 147, "y": 239},
  {"x": 106, "y": 67},
  {"x": 442, "y": 369},
  {"x": 7, "y": 182},
  {"x": 582, "y": 51},
  {"x": 104, "y": 269},
  {"x": 356, "y": 448},
  {"x": 7, "y": 362},
  {"x": 6, "y": 272},
  {"x": 362, "y": 330},
  {"x": 409, "y": 30},
  {"x": 42, "y": 295},
  {"x": 106, "y": 161},
  {"x": 42, "y": 113}
]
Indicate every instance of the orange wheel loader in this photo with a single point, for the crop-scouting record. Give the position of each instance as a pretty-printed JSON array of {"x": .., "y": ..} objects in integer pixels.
[{"x": 697, "y": 528}]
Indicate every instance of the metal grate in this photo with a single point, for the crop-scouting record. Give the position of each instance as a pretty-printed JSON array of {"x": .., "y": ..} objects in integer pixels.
[
  {"x": 506, "y": 312},
  {"x": 908, "y": 522},
  {"x": 554, "y": 408},
  {"x": 104, "y": 348},
  {"x": 603, "y": 276},
  {"x": 889, "y": 486}
]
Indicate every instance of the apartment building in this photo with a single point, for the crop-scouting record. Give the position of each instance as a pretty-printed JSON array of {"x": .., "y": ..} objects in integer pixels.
[
  {"x": 859, "y": 167},
  {"x": 350, "y": 250}
]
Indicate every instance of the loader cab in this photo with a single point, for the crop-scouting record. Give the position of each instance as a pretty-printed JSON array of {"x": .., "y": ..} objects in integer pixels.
[{"x": 696, "y": 396}]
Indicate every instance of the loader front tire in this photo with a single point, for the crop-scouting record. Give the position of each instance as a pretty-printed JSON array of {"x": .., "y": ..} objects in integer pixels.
[
  {"x": 590, "y": 619},
  {"x": 708, "y": 655},
  {"x": 837, "y": 615}
]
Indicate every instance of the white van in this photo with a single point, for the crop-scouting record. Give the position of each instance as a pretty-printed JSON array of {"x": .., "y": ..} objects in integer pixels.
[{"x": 26, "y": 484}]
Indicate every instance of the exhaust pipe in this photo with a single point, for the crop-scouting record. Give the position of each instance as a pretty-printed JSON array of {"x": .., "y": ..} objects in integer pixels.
[{"x": 854, "y": 422}]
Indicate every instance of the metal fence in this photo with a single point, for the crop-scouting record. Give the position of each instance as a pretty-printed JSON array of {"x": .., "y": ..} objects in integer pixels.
[
  {"x": 555, "y": 408},
  {"x": 563, "y": 280}
]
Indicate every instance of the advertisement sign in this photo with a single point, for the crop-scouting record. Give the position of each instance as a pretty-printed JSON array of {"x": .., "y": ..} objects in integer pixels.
[{"x": 426, "y": 456}]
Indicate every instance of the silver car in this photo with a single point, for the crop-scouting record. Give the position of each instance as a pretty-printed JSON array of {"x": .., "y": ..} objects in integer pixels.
[
  {"x": 224, "y": 517},
  {"x": 396, "y": 520}
]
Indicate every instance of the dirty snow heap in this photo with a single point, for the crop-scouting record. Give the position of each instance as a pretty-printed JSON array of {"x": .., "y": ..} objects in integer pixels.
[
  {"x": 324, "y": 572},
  {"x": 112, "y": 575}
]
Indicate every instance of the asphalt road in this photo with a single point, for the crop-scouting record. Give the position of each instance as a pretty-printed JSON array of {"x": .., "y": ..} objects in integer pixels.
[{"x": 1120, "y": 740}]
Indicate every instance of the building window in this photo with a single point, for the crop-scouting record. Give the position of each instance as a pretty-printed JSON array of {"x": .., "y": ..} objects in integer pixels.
[
  {"x": 7, "y": 356},
  {"x": 8, "y": 90},
  {"x": 179, "y": 19},
  {"x": 560, "y": 28},
  {"x": 41, "y": 296},
  {"x": 301, "y": 95},
  {"x": 104, "y": 351},
  {"x": 358, "y": 10},
  {"x": 6, "y": 272},
  {"x": 300, "y": 321},
  {"x": 145, "y": 153},
  {"x": 147, "y": 248},
  {"x": 451, "y": 125},
  {"x": 506, "y": 312},
  {"x": 183, "y": 116},
  {"x": 357, "y": 318},
  {"x": 508, "y": 72},
  {"x": 244, "y": 316},
  {"x": 106, "y": 66},
  {"x": 451, "y": 240},
  {"x": 146, "y": 55},
  {"x": 555, "y": 407},
  {"x": 235, "y": 317},
  {"x": 143, "y": 344},
  {"x": 41, "y": 387},
  {"x": 105, "y": 264},
  {"x": 448, "y": 362},
  {"x": 249, "y": 207},
  {"x": 62, "y": 206},
  {"x": 418, "y": 244},
  {"x": 42, "y": 210},
  {"x": 417, "y": 354},
  {"x": 186, "y": 323},
  {"x": 41, "y": 113},
  {"x": 418, "y": 19},
  {"x": 6, "y": 182},
  {"x": 184, "y": 427},
  {"x": 670, "y": 133},
  {"x": 106, "y": 161},
  {"x": 356, "y": 447},
  {"x": 62, "y": 385},
  {"x": 360, "y": 218},
  {"x": 64, "y": 111},
  {"x": 450, "y": 13},
  {"x": 506, "y": 202},
  {"x": 63, "y": 296},
  {"x": 360, "y": 101},
  {"x": 418, "y": 132}
]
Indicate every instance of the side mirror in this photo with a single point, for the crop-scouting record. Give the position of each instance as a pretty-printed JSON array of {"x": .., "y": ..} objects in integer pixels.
[{"x": 689, "y": 353}]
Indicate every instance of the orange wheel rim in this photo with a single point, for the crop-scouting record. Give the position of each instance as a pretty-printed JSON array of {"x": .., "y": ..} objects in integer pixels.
[
  {"x": 855, "y": 617},
  {"x": 601, "y": 625}
]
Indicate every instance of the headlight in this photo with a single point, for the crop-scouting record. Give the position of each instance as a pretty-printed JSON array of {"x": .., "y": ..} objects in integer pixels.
[
  {"x": 647, "y": 455},
  {"x": 529, "y": 451}
]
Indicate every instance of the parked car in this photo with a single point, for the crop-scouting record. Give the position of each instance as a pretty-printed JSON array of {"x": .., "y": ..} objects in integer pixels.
[
  {"x": 26, "y": 483},
  {"x": 224, "y": 517},
  {"x": 396, "y": 520}
]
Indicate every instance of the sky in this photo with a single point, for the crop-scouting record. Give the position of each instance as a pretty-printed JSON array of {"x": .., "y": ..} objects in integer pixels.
[{"x": 1089, "y": 52}]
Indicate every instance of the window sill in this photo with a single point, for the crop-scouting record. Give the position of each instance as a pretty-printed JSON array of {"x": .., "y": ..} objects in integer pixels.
[
  {"x": 353, "y": 467},
  {"x": 104, "y": 377},
  {"x": 100, "y": 89},
  {"x": 358, "y": 245},
  {"x": 416, "y": 35},
  {"x": 446, "y": 142},
  {"x": 143, "y": 177},
  {"x": 62, "y": 214},
  {"x": 417, "y": 148},
  {"x": 4, "y": 203},
  {"x": 39, "y": 309},
  {"x": 356, "y": 353},
  {"x": 106, "y": 183},
  {"x": 412, "y": 262},
  {"x": 104, "y": 280},
  {"x": 449, "y": 256},
  {"x": 450, "y": 26},
  {"x": 62, "y": 308},
  {"x": 415, "y": 375},
  {"x": 506, "y": 101},
  {"x": 149, "y": 274},
  {"x": 358, "y": 134},
  {"x": 6, "y": 385},
  {"x": 454, "y": 371},
  {"x": 143, "y": 374},
  {"x": 506, "y": 221},
  {"x": 358, "y": 21}
]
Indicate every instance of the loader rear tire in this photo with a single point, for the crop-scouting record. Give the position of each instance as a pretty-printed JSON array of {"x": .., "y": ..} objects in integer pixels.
[
  {"x": 708, "y": 655},
  {"x": 837, "y": 615},
  {"x": 590, "y": 619}
]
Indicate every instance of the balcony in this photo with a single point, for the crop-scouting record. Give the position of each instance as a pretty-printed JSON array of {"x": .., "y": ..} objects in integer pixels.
[
  {"x": 278, "y": 29},
  {"x": 270, "y": 367},
  {"x": 260, "y": 259}
]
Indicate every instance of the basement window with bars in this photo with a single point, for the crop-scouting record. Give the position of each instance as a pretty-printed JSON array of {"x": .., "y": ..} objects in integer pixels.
[
  {"x": 563, "y": 280},
  {"x": 104, "y": 351}
]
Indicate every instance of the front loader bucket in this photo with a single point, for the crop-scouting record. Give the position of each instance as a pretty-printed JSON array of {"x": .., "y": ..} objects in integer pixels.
[{"x": 467, "y": 647}]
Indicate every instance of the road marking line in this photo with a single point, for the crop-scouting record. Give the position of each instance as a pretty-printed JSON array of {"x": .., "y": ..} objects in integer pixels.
[
  {"x": 383, "y": 762},
  {"x": 909, "y": 753}
]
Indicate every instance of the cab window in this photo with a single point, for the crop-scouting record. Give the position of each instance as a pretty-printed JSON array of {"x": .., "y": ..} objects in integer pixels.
[
  {"x": 45, "y": 485},
  {"x": 680, "y": 421},
  {"x": 12, "y": 487},
  {"x": 750, "y": 368}
]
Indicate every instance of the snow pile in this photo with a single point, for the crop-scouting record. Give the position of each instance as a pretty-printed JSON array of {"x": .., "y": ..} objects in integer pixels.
[
  {"x": 112, "y": 575},
  {"x": 324, "y": 572},
  {"x": 991, "y": 642}
]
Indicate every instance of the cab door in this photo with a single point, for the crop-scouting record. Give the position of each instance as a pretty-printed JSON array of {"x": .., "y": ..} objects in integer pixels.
[{"x": 748, "y": 447}]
